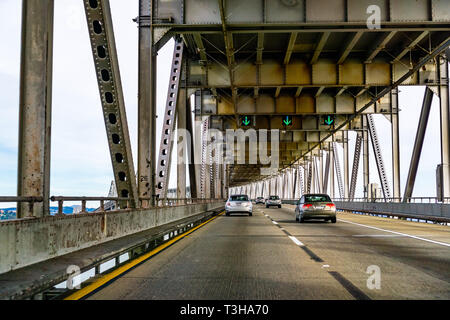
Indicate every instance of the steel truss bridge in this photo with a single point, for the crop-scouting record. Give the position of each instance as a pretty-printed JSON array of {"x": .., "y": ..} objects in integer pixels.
[{"x": 311, "y": 70}]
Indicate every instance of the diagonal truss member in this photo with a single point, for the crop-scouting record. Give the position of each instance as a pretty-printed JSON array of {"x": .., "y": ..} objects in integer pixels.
[
  {"x": 356, "y": 158},
  {"x": 101, "y": 33},
  {"x": 378, "y": 157},
  {"x": 338, "y": 171},
  {"x": 166, "y": 144}
]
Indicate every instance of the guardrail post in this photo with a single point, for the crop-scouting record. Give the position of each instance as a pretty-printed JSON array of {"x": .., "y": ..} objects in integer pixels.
[
  {"x": 60, "y": 206},
  {"x": 83, "y": 206}
]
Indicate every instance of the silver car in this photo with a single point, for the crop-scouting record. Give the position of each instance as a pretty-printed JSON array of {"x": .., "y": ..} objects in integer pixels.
[
  {"x": 239, "y": 203},
  {"x": 315, "y": 206},
  {"x": 273, "y": 201},
  {"x": 259, "y": 200}
]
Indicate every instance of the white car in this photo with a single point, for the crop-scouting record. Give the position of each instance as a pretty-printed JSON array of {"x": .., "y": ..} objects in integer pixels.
[
  {"x": 239, "y": 203},
  {"x": 273, "y": 201}
]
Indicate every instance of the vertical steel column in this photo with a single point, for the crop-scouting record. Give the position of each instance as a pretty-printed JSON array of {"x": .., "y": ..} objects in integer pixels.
[
  {"x": 310, "y": 177},
  {"x": 418, "y": 143},
  {"x": 332, "y": 195},
  {"x": 327, "y": 171},
  {"x": 394, "y": 98},
  {"x": 295, "y": 182},
  {"x": 346, "y": 169},
  {"x": 443, "y": 78},
  {"x": 191, "y": 151},
  {"x": 35, "y": 106},
  {"x": 198, "y": 156},
  {"x": 146, "y": 104},
  {"x": 320, "y": 170},
  {"x": 301, "y": 181},
  {"x": 305, "y": 177},
  {"x": 315, "y": 176},
  {"x": 338, "y": 171},
  {"x": 365, "y": 157},
  {"x": 182, "y": 145}
]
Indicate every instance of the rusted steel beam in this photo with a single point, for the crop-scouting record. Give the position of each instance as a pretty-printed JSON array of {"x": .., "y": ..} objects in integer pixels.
[{"x": 35, "y": 101}]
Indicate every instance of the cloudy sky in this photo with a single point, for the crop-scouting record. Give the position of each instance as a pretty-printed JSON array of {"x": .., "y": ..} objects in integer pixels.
[{"x": 80, "y": 159}]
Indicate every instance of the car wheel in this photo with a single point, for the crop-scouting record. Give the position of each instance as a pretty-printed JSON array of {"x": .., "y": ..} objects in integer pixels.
[
  {"x": 267, "y": 206},
  {"x": 333, "y": 220},
  {"x": 301, "y": 219},
  {"x": 296, "y": 218},
  {"x": 279, "y": 206},
  {"x": 250, "y": 214},
  {"x": 227, "y": 213}
]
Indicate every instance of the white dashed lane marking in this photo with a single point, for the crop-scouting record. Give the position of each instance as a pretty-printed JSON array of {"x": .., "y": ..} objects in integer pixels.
[{"x": 296, "y": 241}]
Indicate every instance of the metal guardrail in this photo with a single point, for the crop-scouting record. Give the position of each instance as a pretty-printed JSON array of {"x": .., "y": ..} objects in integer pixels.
[
  {"x": 445, "y": 200},
  {"x": 397, "y": 200},
  {"x": 105, "y": 202},
  {"x": 31, "y": 200}
]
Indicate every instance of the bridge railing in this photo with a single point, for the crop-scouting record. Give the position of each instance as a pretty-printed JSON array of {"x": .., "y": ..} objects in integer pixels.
[
  {"x": 408, "y": 200},
  {"x": 106, "y": 203},
  {"x": 382, "y": 200}
]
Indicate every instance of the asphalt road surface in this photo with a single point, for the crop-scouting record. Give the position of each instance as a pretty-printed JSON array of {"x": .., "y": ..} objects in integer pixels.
[{"x": 270, "y": 256}]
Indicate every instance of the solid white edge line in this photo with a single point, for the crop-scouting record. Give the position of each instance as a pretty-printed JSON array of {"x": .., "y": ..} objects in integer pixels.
[
  {"x": 399, "y": 233},
  {"x": 296, "y": 241}
]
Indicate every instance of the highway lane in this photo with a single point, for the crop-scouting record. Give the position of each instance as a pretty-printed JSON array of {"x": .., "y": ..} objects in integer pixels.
[{"x": 270, "y": 256}]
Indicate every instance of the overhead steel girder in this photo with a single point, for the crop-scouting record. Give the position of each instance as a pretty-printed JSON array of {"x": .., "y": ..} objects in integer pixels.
[
  {"x": 300, "y": 73},
  {"x": 285, "y": 104},
  {"x": 101, "y": 33},
  {"x": 436, "y": 51},
  {"x": 305, "y": 12},
  {"x": 299, "y": 123}
]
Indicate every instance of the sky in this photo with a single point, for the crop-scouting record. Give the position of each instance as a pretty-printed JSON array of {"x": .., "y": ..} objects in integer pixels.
[{"x": 80, "y": 162}]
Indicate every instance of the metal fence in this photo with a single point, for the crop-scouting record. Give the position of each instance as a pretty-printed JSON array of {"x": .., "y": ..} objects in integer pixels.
[{"x": 106, "y": 203}]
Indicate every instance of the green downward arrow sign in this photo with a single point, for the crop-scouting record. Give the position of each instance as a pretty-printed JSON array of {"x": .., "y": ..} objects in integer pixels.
[
  {"x": 287, "y": 121},
  {"x": 246, "y": 121},
  {"x": 329, "y": 120}
]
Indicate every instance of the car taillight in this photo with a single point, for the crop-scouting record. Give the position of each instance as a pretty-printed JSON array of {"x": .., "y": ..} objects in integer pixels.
[
  {"x": 306, "y": 206},
  {"x": 330, "y": 205},
  {"x": 228, "y": 204}
]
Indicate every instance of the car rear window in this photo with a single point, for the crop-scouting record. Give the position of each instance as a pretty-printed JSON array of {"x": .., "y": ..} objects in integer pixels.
[
  {"x": 317, "y": 198},
  {"x": 239, "y": 198},
  {"x": 274, "y": 198}
]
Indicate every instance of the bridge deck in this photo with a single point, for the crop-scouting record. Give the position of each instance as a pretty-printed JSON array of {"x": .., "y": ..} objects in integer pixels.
[{"x": 240, "y": 257}]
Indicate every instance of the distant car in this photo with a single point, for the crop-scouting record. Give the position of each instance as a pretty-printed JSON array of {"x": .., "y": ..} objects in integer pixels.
[
  {"x": 273, "y": 201},
  {"x": 315, "y": 206},
  {"x": 259, "y": 200},
  {"x": 239, "y": 203}
]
